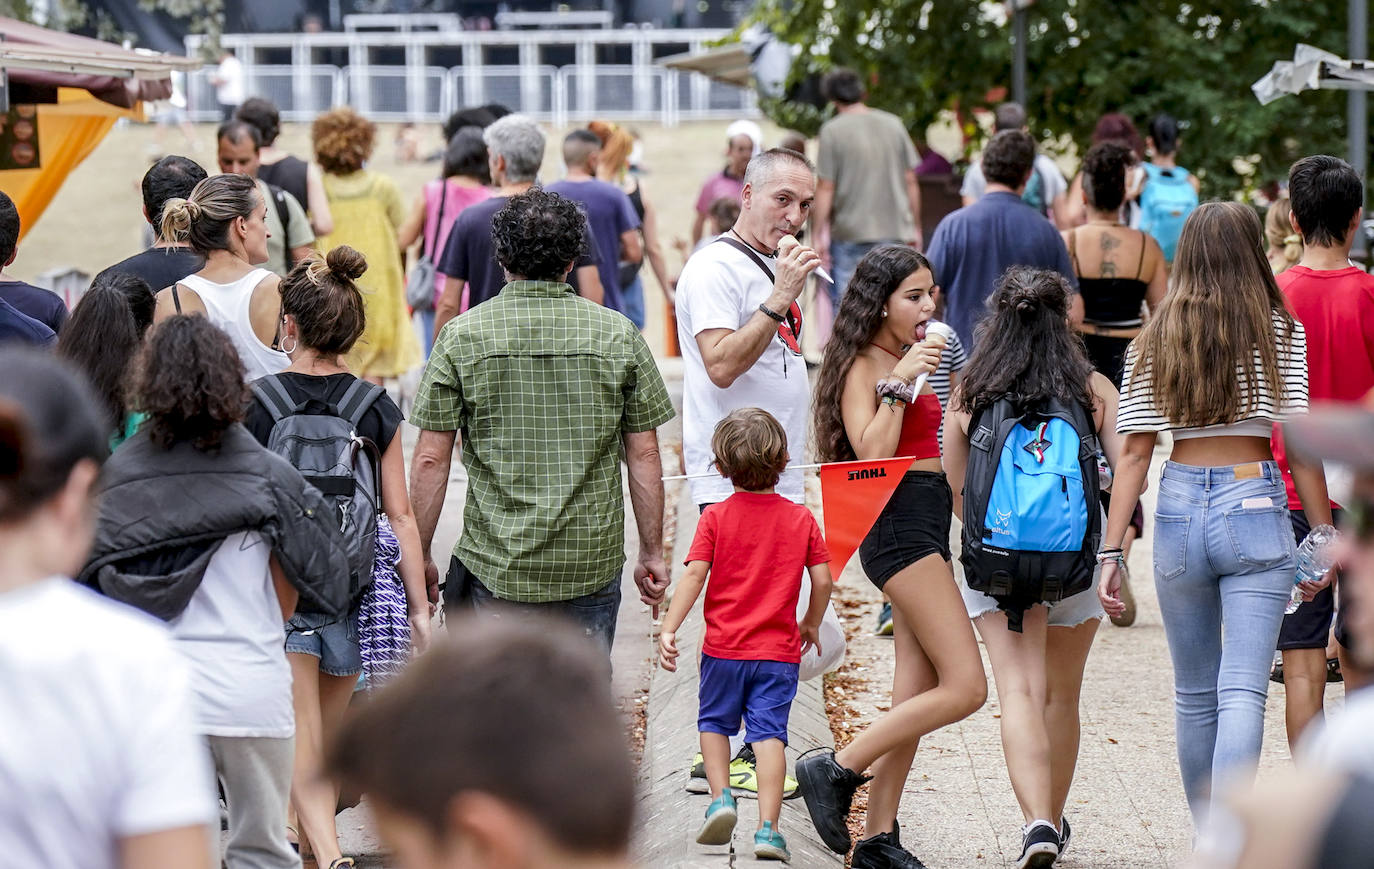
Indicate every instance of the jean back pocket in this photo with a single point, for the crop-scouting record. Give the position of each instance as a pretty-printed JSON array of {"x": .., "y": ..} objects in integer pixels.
[
  {"x": 1261, "y": 537},
  {"x": 1171, "y": 546}
]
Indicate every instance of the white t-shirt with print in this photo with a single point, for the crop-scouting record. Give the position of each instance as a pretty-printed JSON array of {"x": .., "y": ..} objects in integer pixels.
[
  {"x": 231, "y": 632},
  {"x": 721, "y": 288},
  {"x": 96, "y": 735}
]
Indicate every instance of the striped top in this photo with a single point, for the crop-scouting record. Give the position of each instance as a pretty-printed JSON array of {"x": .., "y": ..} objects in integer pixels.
[{"x": 1138, "y": 412}]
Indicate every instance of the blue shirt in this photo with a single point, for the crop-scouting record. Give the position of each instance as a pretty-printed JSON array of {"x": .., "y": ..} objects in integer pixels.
[
  {"x": 973, "y": 246},
  {"x": 609, "y": 214},
  {"x": 45, "y": 306},
  {"x": 16, "y": 326}
]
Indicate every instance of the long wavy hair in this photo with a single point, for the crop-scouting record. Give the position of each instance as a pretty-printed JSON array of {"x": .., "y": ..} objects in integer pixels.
[
  {"x": 1025, "y": 349},
  {"x": 1221, "y": 310},
  {"x": 876, "y": 277}
]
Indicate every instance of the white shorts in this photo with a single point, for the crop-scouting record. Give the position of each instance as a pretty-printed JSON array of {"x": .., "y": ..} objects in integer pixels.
[{"x": 1067, "y": 613}]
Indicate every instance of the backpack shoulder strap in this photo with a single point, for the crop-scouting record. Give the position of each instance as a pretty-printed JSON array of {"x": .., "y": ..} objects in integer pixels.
[
  {"x": 279, "y": 200},
  {"x": 273, "y": 395},
  {"x": 356, "y": 401},
  {"x": 751, "y": 253}
]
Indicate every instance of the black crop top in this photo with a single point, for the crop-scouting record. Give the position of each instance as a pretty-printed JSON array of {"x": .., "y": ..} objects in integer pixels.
[{"x": 1110, "y": 301}]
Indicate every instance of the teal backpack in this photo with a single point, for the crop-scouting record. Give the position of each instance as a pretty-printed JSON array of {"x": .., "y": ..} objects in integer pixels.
[{"x": 1165, "y": 204}]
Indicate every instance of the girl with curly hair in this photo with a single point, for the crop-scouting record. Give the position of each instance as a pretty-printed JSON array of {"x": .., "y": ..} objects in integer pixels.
[
  {"x": 865, "y": 410},
  {"x": 368, "y": 213},
  {"x": 1026, "y": 351}
]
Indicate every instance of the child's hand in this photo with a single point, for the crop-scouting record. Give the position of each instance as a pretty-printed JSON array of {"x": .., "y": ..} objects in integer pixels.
[
  {"x": 810, "y": 637},
  {"x": 667, "y": 651}
]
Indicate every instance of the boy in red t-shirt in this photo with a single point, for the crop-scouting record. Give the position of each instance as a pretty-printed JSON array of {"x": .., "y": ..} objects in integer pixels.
[
  {"x": 754, "y": 545},
  {"x": 1334, "y": 300}
]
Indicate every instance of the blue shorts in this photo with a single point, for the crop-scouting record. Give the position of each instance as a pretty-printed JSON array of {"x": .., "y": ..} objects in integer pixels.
[
  {"x": 759, "y": 692},
  {"x": 333, "y": 640}
]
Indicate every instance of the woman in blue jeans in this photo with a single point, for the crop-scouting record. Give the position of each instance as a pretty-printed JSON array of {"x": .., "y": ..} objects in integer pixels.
[{"x": 1218, "y": 365}]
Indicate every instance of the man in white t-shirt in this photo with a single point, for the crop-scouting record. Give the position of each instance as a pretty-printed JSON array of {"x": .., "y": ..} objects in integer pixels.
[
  {"x": 739, "y": 324},
  {"x": 229, "y": 84},
  {"x": 1046, "y": 190}
]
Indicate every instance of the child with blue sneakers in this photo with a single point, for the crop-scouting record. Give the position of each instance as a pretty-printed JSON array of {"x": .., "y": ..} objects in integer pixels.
[{"x": 753, "y": 545}]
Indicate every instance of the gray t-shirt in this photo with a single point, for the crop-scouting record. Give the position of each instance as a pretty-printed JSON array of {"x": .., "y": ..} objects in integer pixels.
[
  {"x": 867, "y": 155},
  {"x": 282, "y": 239}
]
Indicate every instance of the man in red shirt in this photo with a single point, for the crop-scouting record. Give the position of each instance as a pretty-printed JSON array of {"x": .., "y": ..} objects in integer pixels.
[{"x": 1334, "y": 300}]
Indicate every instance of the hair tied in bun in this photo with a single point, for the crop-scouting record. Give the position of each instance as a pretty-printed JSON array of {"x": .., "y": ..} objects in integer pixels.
[{"x": 345, "y": 263}]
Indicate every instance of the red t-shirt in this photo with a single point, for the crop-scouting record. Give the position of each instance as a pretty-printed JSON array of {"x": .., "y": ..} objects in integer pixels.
[
  {"x": 757, "y": 546},
  {"x": 1337, "y": 309}
]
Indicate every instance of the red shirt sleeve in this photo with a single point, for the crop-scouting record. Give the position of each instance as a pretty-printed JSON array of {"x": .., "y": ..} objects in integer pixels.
[
  {"x": 816, "y": 550},
  {"x": 704, "y": 542}
]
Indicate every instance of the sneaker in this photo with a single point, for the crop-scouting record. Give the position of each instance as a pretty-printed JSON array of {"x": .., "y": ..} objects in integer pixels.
[
  {"x": 743, "y": 777},
  {"x": 1064, "y": 834},
  {"x": 1276, "y": 670},
  {"x": 1039, "y": 846},
  {"x": 770, "y": 845},
  {"x": 1127, "y": 618},
  {"x": 1333, "y": 670},
  {"x": 884, "y": 851},
  {"x": 720, "y": 821},
  {"x": 828, "y": 790},
  {"x": 884, "y": 621}
]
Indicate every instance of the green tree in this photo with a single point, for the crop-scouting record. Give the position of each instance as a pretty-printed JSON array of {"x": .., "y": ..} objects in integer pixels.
[{"x": 1194, "y": 60}]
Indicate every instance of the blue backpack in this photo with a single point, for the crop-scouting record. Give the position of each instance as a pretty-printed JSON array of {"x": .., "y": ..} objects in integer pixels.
[
  {"x": 1032, "y": 506},
  {"x": 1165, "y": 204}
]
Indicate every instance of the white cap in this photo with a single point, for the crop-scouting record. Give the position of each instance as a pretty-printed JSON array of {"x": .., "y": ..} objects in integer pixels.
[{"x": 746, "y": 128}]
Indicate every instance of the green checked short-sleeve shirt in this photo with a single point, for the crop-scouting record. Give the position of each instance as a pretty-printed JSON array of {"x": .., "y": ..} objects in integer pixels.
[{"x": 542, "y": 385}]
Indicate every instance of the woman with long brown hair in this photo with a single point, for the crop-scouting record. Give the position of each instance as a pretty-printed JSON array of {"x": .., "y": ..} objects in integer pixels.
[
  {"x": 1221, "y": 361},
  {"x": 866, "y": 409}
]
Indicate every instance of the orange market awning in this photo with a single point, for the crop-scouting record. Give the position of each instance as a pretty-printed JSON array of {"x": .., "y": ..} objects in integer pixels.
[{"x": 80, "y": 87}]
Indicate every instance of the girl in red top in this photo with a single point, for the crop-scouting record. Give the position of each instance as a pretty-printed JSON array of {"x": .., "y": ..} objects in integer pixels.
[{"x": 865, "y": 410}]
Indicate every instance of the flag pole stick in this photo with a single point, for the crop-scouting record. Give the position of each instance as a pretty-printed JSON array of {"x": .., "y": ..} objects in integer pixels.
[{"x": 714, "y": 474}]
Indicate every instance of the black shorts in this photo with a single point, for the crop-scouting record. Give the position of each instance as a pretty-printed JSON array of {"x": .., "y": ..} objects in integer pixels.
[
  {"x": 1308, "y": 626},
  {"x": 915, "y": 523}
]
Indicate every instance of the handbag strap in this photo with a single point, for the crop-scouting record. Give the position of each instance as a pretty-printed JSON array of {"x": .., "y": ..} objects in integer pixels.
[
  {"x": 438, "y": 224},
  {"x": 758, "y": 261}
]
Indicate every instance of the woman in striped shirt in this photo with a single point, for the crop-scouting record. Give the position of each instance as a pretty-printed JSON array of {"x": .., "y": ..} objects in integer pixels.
[{"x": 1218, "y": 365}]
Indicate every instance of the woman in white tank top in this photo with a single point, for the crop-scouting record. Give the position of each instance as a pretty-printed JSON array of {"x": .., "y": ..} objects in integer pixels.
[{"x": 225, "y": 219}]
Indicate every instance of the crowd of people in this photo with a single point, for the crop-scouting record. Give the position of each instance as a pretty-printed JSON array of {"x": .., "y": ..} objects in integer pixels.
[{"x": 206, "y": 439}]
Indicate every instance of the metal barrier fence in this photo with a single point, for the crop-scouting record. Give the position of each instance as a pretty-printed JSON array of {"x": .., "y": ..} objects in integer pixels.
[{"x": 421, "y": 90}]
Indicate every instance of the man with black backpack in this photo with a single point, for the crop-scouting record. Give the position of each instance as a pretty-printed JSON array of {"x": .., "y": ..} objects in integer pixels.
[{"x": 289, "y": 236}]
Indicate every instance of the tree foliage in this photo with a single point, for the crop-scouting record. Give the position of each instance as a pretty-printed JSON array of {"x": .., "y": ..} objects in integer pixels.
[{"x": 1194, "y": 60}]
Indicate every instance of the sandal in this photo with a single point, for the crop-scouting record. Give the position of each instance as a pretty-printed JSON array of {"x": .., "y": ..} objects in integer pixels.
[
  {"x": 293, "y": 833},
  {"x": 342, "y": 862}
]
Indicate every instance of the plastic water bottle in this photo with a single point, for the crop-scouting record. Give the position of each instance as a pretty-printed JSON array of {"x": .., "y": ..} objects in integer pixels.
[{"x": 1315, "y": 556}]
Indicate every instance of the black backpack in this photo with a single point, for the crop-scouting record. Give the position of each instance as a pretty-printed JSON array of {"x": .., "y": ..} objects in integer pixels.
[
  {"x": 1032, "y": 504},
  {"x": 321, "y": 440}
]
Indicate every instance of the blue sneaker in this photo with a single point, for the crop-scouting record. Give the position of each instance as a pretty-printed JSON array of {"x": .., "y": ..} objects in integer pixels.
[
  {"x": 770, "y": 845},
  {"x": 884, "y": 621},
  {"x": 720, "y": 821}
]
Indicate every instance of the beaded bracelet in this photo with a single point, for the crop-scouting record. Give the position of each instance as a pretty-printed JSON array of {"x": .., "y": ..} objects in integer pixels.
[{"x": 897, "y": 389}]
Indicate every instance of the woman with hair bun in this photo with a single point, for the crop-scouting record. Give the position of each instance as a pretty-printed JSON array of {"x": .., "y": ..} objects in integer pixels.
[
  {"x": 225, "y": 220},
  {"x": 101, "y": 763},
  {"x": 322, "y": 317},
  {"x": 1027, "y": 351},
  {"x": 368, "y": 213}
]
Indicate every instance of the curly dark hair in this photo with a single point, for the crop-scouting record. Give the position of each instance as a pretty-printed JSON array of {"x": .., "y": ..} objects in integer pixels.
[
  {"x": 1024, "y": 347},
  {"x": 343, "y": 140},
  {"x": 1009, "y": 158},
  {"x": 539, "y": 235},
  {"x": 190, "y": 383},
  {"x": 876, "y": 277},
  {"x": 1104, "y": 175}
]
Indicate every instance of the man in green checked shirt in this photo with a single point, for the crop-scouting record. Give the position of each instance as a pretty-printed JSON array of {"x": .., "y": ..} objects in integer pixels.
[{"x": 546, "y": 388}]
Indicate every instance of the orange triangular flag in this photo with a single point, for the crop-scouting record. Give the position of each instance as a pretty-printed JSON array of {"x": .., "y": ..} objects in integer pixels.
[{"x": 852, "y": 496}]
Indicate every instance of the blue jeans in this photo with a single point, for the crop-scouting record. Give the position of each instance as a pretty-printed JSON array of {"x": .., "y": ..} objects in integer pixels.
[
  {"x": 844, "y": 258},
  {"x": 632, "y": 301},
  {"x": 595, "y": 613},
  {"x": 424, "y": 324},
  {"x": 1223, "y": 563}
]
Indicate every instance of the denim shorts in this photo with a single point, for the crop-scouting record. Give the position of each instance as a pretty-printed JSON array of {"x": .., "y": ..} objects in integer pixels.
[
  {"x": 760, "y": 692},
  {"x": 333, "y": 640},
  {"x": 915, "y": 523}
]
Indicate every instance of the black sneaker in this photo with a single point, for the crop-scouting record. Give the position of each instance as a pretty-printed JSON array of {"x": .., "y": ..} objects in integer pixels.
[
  {"x": 1039, "y": 846},
  {"x": 884, "y": 851},
  {"x": 828, "y": 790},
  {"x": 1064, "y": 834}
]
